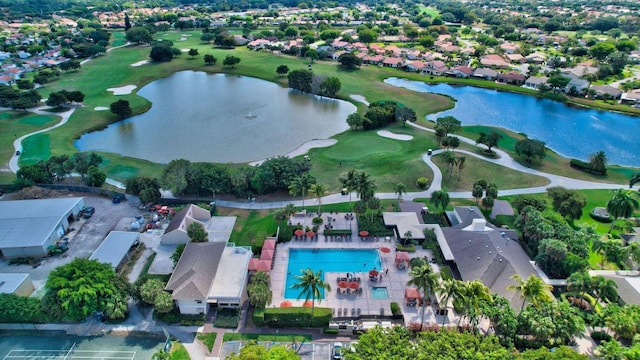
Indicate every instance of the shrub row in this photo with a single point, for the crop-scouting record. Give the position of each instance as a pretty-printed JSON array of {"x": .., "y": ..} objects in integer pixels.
[
  {"x": 410, "y": 248},
  {"x": 174, "y": 317},
  {"x": 337, "y": 232},
  {"x": 296, "y": 317},
  {"x": 584, "y": 166},
  {"x": 20, "y": 309},
  {"x": 227, "y": 318}
]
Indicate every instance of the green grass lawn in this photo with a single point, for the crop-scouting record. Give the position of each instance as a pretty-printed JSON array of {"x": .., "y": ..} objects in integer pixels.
[
  {"x": 267, "y": 337},
  {"x": 178, "y": 352},
  {"x": 35, "y": 148},
  {"x": 252, "y": 226},
  {"x": 208, "y": 339},
  {"x": 430, "y": 11}
]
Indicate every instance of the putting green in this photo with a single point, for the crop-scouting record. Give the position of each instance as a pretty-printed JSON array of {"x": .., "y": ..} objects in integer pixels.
[
  {"x": 35, "y": 148},
  {"x": 362, "y": 146},
  {"x": 37, "y": 120},
  {"x": 123, "y": 172}
]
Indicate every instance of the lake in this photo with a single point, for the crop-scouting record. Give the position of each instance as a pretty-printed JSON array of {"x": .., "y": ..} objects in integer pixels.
[
  {"x": 571, "y": 131},
  {"x": 219, "y": 118}
]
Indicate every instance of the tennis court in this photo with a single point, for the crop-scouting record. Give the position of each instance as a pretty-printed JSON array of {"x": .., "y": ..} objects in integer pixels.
[{"x": 77, "y": 348}]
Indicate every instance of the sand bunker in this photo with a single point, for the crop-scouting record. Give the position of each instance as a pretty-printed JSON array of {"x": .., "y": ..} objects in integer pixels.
[
  {"x": 303, "y": 149},
  {"x": 122, "y": 90},
  {"x": 140, "y": 63},
  {"x": 100, "y": 108},
  {"x": 390, "y": 135},
  {"x": 360, "y": 99}
]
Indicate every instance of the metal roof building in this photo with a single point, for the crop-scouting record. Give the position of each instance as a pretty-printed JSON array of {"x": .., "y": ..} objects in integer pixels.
[
  {"x": 115, "y": 247},
  {"x": 29, "y": 227}
]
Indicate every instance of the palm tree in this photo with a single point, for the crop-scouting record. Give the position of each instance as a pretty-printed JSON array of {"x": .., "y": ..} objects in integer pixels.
[
  {"x": 425, "y": 279},
  {"x": 632, "y": 253},
  {"x": 598, "y": 162},
  {"x": 605, "y": 289},
  {"x": 116, "y": 308},
  {"x": 634, "y": 180},
  {"x": 477, "y": 193},
  {"x": 449, "y": 158},
  {"x": 448, "y": 290},
  {"x": 460, "y": 162},
  {"x": 311, "y": 285},
  {"x": 533, "y": 290},
  {"x": 407, "y": 237},
  {"x": 300, "y": 185},
  {"x": 364, "y": 186},
  {"x": 440, "y": 198},
  {"x": 400, "y": 189},
  {"x": 289, "y": 210},
  {"x": 349, "y": 183},
  {"x": 621, "y": 205},
  {"x": 319, "y": 190},
  {"x": 373, "y": 204},
  {"x": 472, "y": 293}
]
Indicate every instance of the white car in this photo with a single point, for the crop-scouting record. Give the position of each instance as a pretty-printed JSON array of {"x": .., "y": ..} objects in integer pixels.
[{"x": 336, "y": 353}]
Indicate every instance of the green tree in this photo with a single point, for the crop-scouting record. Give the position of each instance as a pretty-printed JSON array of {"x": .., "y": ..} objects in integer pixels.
[
  {"x": 449, "y": 124},
  {"x": 473, "y": 293},
  {"x": 175, "y": 176},
  {"x": 349, "y": 60},
  {"x": 300, "y": 185},
  {"x": 319, "y": 190},
  {"x": 95, "y": 177},
  {"x": 231, "y": 61},
  {"x": 300, "y": 80},
  {"x": 349, "y": 182},
  {"x": 365, "y": 187},
  {"x": 255, "y": 351},
  {"x": 426, "y": 280},
  {"x": 282, "y": 69},
  {"x": 598, "y": 162},
  {"x": 210, "y": 59},
  {"x": 138, "y": 35},
  {"x": 621, "y": 205},
  {"x": 568, "y": 203},
  {"x": 196, "y": 232},
  {"x": 311, "y": 285},
  {"x": 531, "y": 149},
  {"x": 121, "y": 108},
  {"x": 116, "y": 307},
  {"x": 161, "y": 355},
  {"x": 448, "y": 290},
  {"x": 600, "y": 51},
  {"x": 312, "y": 54},
  {"x": 355, "y": 121},
  {"x": 477, "y": 193},
  {"x": 162, "y": 53},
  {"x": 373, "y": 204},
  {"x": 400, "y": 189},
  {"x": 533, "y": 290},
  {"x": 449, "y": 158},
  {"x": 163, "y": 303},
  {"x": 367, "y": 36},
  {"x": 330, "y": 86},
  {"x": 177, "y": 253},
  {"x": 80, "y": 288},
  {"x": 490, "y": 140},
  {"x": 56, "y": 99},
  {"x": 440, "y": 199},
  {"x": 193, "y": 52},
  {"x": 150, "y": 290}
]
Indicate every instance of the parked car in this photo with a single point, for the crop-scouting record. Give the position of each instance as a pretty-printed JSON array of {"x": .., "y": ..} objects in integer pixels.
[
  {"x": 88, "y": 212},
  {"x": 336, "y": 353},
  {"x": 17, "y": 152}
]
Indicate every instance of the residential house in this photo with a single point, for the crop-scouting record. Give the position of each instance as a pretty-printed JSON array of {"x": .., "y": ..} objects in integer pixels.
[
  {"x": 392, "y": 62},
  {"x": 510, "y": 48},
  {"x": 393, "y": 50},
  {"x": 239, "y": 40},
  {"x": 176, "y": 232},
  {"x": 436, "y": 68},
  {"x": 373, "y": 60},
  {"x": 606, "y": 92},
  {"x": 536, "y": 82},
  {"x": 516, "y": 58},
  {"x": 413, "y": 54},
  {"x": 485, "y": 74},
  {"x": 494, "y": 61},
  {"x": 632, "y": 97},
  {"x": 580, "y": 71},
  {"x": 414, "y": 66},
  {"x": 536, "y": 58},
  {"x": 460, "y": 72},
  {"x": 576, "y": 85},
  {"x": 512, "y": 78},
  {"x": 258, "y": 44}
]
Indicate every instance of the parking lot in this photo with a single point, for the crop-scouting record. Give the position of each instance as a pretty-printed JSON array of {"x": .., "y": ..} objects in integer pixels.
[{"x": 83, "y": 241}]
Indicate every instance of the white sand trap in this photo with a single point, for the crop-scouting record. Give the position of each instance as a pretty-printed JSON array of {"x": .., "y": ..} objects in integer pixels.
[
  {"x": 303, "y": 149},
  {"x": 100, "y": 108},
  {"x": 390, "y": 135},
  {"x": 140, "y": 63},
  {"x": 122, "y": 90},
  {"x": 360, "y": 99},
  {"x": 182, "y": 39},
  {"x": 184, "y": 50}
]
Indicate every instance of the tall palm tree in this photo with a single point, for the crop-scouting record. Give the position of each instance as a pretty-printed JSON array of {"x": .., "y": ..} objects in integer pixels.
[
  {"x": 632, "y": 253},
  {"x": 449, "y": 158},
  {"x": 311, "y": 285},
  {"x": 448, "y": 290},
  {"x": 634, "y": 180},
  {"x": 300, "y": 185},
  {"x": 460, "y": 162},
  {"x": 349, "y": 182},
  {"x": 319, "y": 190},
  {"x": 472, "y": 293},
  {"x": 289, "y": 210},
  {"x": 605, "y": 289},
  {"x": 621, "y": 205},
  {"x": 533, "y": 290},
  {"x": 425, "y": 279},
  {"x": 373, "y": 204},
  {"x": 440, "y": 198},
  {"x": 364, "y": 186},
  {"x": 400, "y": 189}
]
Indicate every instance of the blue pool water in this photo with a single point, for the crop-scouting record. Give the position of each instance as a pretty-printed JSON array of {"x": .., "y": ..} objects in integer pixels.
[
  {"x": 329, "y": 260},
  {"x": 379, "y": 293}
]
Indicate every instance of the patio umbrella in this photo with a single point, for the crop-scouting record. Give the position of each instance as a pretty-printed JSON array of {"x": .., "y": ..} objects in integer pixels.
[
  {"x": 286, "y": 304},
  {"x": 354, "y": 285},
  {"x": 264, "y": 265},
  {"x": 385, "y": 250},
  {"x": 269, "y": 244},
  {"x": 307, "y": 303},
  {"x": 374, "y": 273},
  {"x": 343, "y": 284},
  {"x": 298, "y": 232},
  {"x": 311, "y": 234},
  {"x": 364, "y": 233},
  {"x": 266, "y": 255},
  {"x": 253, "y": 264}
]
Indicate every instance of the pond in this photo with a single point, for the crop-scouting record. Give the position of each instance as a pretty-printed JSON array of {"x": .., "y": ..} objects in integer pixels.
[
  {"x": 571, "y": 131},
  {"x": 219, "y": 118}
]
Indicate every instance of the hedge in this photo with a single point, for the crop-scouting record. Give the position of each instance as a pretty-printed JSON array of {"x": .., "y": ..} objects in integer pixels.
[
  {"x": 297, "y": 317},
  {"x": 258, "y": 317},
  {"x": 337, "y": 232},
  {"x": 20, "y": 309},
  {"x": 227, "y": 318},
  {"x": 395, "y": 308},
  {"x": 586, "y": 167},
  {"x": 410, "y": 248}
]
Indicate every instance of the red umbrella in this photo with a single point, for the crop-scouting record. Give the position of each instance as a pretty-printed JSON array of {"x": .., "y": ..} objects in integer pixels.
[
  {"x": 298, "y": 232},
  {"x": 364, "y": 233},
  {"x": 266, "y": 255},
  {"x": 311, "y": 234},
  {"x": 264, "y": 265},
  {"x": 373, "y": 273},
  {"x": 269, "y": 244},
  {"x": 253, "y": 264},
  {"x": 307, "y": 304},
  {"x": 343, "y": 284},
  {"x": 385, "y": 250},
  {"x": 354, "y": 285},
  {"x": 286, "y": 304}
]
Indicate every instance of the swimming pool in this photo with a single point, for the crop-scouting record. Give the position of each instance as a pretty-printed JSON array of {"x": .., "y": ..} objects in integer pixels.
[
  {"x": 379, "y": 293},
  {"x": 328, "y": 260}
]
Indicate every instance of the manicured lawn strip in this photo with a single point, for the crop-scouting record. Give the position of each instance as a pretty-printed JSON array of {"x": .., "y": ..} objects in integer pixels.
[
  {"x": 476, "y": 169},
  {"x": 35, "y": 148},
  {"x": 178, "y": 352},
  {"x": 266, "y": 337},
  {"x": 431, "y": 12},
  {"x": 252, "y": 226},
  {"x": 208, "y": 339}
]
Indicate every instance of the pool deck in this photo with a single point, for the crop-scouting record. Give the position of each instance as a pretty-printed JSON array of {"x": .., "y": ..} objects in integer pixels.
[{"x": 395, "y": 280}]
